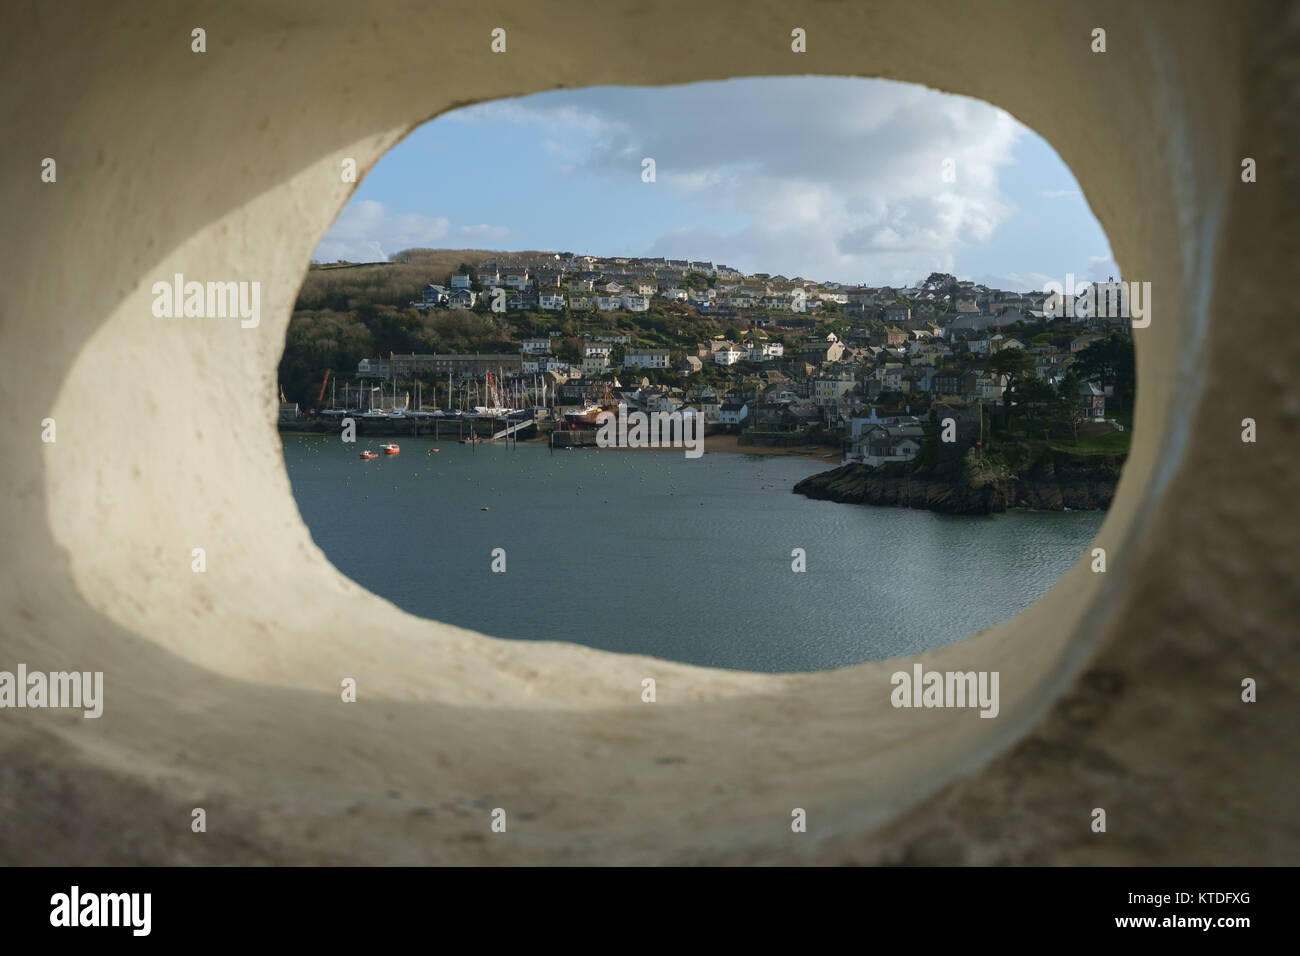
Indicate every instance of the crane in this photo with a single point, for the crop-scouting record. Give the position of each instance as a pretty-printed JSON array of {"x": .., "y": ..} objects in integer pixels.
[{"x": 320, "y": 397}]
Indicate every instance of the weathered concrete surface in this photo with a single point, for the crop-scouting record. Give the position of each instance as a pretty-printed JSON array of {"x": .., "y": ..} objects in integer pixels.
[{"x": 1118, "y": 690}]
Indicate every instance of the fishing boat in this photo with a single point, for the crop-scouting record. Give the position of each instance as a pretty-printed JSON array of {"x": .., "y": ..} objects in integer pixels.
[
  {"x": 390, "y": 449},
  {"x": 585, "y": 417},
  {"x": 491, "y": 412},
  {"x": 368, "y": 454}
]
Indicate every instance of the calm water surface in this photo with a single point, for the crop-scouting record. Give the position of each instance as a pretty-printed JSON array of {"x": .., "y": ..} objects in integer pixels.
[{"x": 652, "y": 553}]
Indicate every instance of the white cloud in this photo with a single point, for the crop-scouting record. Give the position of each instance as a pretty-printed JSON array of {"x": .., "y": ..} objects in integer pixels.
[
  {"x": 1101, "y": 268},
  {"x": 832, "y": 177},
  {"x": 1020, "y": 281},
  {"x": 483, "y": 233},
  {"x": 367, "y": 231}
]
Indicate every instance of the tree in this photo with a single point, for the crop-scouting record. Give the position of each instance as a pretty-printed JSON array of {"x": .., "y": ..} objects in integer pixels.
[
  {"x": 1035, "y": 396},
  {"x": 1110, "y": 361},
  {"x": 1069, "y": 403},
  {"x": 571, "y": 350},
  {"x": 317, "y": 341},
  {"x": 1016, "y": 364}
]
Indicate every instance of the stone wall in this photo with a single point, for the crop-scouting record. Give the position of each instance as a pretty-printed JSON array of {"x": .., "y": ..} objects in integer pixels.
[{"x": 223, "y": 688}]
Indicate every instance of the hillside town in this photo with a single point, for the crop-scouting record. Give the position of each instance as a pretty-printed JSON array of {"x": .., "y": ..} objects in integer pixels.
[{"x": 778, "y": 360}]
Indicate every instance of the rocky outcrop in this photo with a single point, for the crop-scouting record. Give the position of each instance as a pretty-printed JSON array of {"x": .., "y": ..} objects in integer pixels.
[{"x": 1052, "y": 482}]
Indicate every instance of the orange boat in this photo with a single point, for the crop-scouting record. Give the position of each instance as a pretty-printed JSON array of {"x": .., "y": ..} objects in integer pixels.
[
  {"x": 368, "y": 454},
  {"x": 390, "y": 449}
]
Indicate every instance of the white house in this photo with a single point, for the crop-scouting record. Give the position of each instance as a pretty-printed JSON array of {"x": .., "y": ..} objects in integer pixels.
[
  {"x": 732, "y": 413},
  {"x": 460, "y": 281},
  {"x": 990, "y": 388},
  {"x": 517, "y": 280},
  {"x": 890, "y": 378},
  {"x": 646, "y": 358},
  {"x": 636, "y": 303},
  {"x": 609, "y": 303},
  {"x": 830, "y": 389},
  {"x": 877, "y": 444},
  {"x": 552, "y": 303},
  {"x": 596, "y": 359},
  {"x": 728, "y": 354},
  {"x": 709, "y": 406},
  {"x": 764, "y": 351},
  {"x": 537, "y": 346}
]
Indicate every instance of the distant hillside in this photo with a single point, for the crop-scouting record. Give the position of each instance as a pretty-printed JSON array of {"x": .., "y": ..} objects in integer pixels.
[
  {"x": 338, "y": 286},
  {"x": 349, "y": 311}
]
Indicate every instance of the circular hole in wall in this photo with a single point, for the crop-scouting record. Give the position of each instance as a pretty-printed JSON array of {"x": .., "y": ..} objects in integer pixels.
[{"x": 835, "y": 285}]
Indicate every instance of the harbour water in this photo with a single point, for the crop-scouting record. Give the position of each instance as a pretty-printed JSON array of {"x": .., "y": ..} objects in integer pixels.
[{"x": 649, "y": 552}]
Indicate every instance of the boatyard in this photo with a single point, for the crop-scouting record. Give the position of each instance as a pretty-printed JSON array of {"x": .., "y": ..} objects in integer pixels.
[
  {"x": 459, "y": 428},
  {"x": 382, "y": 411}
]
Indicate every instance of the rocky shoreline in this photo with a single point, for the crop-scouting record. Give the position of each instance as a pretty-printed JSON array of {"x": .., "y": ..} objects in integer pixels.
[{"x": 1052, "y": 482}]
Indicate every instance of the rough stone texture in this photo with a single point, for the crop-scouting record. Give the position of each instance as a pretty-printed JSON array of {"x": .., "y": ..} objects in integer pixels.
[{"x": 1118, "y": 690}]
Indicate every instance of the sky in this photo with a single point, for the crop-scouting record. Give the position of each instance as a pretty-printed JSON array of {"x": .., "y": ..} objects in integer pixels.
[{"x": 829, "y": 178}]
